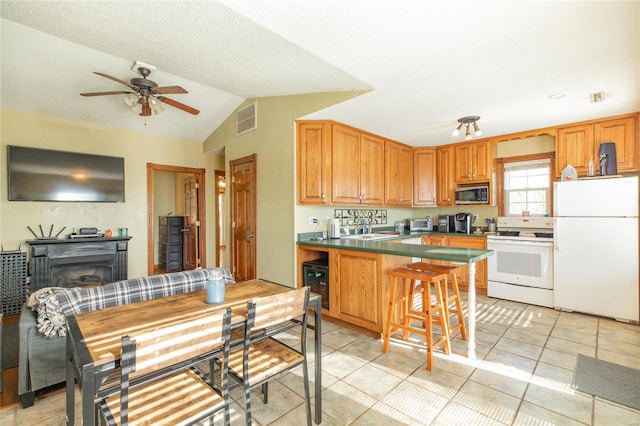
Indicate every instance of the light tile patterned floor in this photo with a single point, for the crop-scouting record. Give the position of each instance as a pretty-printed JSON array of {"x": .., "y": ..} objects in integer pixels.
[{"x": 523, "y": 375}]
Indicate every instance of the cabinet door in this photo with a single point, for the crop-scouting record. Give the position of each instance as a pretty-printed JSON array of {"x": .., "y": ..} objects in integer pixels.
[
  {"x": 622, "y": 131},
  {"x": 359, "y": 296},
  {"x": 444, "y": 177},
  {"x": 398, "y": 176},
  {"x": 481, "y": 161},
  {"x": 345, "y": 169},
  {"x": 371, "y": 173},
  {"x": 574, "y": 145},
  {"x": 424, "y": 183},
  {"x": 462, "y": 166},
  {"x": 481, "y": 267},
  {"x": 435, "y": 240},
  {"x": 314, "y": 162}
]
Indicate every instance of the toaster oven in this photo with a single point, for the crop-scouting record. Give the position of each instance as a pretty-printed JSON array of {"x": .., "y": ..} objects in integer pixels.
[{"x": 421, "y": 224}]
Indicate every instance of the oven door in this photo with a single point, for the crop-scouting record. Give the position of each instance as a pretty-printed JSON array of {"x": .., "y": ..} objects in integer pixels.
[{"x": 524, "y": 263}]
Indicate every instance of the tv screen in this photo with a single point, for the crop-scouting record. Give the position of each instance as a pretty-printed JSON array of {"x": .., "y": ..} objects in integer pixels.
[{"x": 46, "y": 175}]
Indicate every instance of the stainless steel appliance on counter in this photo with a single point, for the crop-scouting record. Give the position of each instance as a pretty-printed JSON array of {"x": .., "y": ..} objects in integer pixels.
[
  {"x": 522, "y": 267},
  {"x": 597, "y": 248},
  {"x": 446, "y": 223},
  {"x": 463, "y": 223},
  {"x": 425, "y": 224}
]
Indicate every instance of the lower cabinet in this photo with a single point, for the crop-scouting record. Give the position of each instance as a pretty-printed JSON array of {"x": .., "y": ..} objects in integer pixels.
[
  {"x": 463, "y": 242},
  {"x": 358, "y": 298},
  {"x": 358, "y": 284}
]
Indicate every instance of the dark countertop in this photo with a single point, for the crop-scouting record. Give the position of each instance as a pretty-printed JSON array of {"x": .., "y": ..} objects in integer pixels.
[{"x": 452, "y": 254}]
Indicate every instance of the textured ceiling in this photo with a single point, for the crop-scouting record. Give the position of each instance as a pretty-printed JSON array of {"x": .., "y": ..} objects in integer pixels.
[{"x": 427, "y": 62}]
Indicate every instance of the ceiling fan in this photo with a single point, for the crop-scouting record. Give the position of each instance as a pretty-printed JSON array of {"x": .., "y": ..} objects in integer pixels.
[{"x": 146, "y": 95}]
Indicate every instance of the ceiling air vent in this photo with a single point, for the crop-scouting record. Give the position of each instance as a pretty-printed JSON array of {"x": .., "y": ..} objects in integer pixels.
[{"x": 246, "y": 119}]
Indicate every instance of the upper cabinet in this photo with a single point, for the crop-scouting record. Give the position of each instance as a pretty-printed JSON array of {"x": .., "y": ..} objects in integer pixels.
[
  {"x": 398, "y": 177},
  {"x": 472, "y": 161},
  {"x": 424, "y": 177},
  {"x": 314, "y": 162},
  {"x": 444, "y": 176},
  {"x": 357, "y": 162},
  {"x": 580, "y": 143}
]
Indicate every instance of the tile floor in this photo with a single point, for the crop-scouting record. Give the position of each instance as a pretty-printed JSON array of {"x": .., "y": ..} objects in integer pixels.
[{"x": 523, "y": 374}]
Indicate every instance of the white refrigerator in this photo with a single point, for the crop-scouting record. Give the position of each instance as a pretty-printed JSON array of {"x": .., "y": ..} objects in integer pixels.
[{"x": 596, "y": 243}]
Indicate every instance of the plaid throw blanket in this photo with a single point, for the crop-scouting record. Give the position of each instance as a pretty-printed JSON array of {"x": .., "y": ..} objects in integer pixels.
[{"x": 53, "y": 305}]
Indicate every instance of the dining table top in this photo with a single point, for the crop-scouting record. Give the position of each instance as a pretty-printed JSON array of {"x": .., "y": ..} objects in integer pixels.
[{"x": 102, "y": 330}]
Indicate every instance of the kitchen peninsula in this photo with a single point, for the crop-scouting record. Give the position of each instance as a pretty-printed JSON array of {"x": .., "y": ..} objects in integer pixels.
[{"x": 358, "y": 285}]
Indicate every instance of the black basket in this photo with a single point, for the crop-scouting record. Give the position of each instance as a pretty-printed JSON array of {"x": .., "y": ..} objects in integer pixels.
[{"x": 13, "y": 282}]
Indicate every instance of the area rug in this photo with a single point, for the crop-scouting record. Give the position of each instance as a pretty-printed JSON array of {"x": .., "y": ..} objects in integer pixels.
[{"x": 613, "y": 382}]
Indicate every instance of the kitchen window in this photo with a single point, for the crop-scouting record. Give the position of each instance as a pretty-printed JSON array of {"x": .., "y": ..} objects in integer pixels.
[{"x": 524, "y": 186}]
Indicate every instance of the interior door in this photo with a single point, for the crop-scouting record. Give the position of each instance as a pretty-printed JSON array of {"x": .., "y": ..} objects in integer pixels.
[
  {"x": 189, "y": 229},
  {"x": 243, "y": 218}
]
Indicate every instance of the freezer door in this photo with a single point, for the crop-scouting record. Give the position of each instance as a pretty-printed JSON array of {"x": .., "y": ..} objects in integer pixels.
[
  {"x": 612, "y": 197},
  {"x": 595, "y": 268}
]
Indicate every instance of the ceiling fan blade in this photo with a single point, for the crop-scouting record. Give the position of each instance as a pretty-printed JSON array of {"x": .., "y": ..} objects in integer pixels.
[
  {"x": 169, "y": 90},
  {"x": 146, "y": 110},
  {"x": 185, "y": 108},
  {"x": 118, "y": 80},
  {"x": 121, "y": 92}
]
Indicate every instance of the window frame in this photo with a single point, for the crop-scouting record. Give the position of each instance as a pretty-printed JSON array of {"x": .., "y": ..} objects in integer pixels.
[{"x": 500, "y": 166}]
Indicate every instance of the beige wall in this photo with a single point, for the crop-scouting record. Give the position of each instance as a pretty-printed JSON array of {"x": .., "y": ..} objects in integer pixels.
[
  {"x": 138, "y": 149},
  {"x": 274, "y": 144}
]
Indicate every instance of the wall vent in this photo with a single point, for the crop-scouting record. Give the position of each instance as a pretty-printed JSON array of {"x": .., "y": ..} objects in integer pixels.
[{"x": 246, "y": 119}]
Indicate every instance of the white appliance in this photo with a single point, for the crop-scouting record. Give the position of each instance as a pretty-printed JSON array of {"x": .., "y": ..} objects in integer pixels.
[
  {"x": 596, "y": 247},
  {"x": 522, "y": 267}
]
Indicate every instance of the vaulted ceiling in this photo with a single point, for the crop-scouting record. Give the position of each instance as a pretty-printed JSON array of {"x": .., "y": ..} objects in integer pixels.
[{"x": 517, "y": 64}]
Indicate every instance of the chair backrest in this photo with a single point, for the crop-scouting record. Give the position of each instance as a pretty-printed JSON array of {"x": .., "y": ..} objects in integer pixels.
[
  {"x": 175, "y": 343},
  {"x": 276, "y": 309}
]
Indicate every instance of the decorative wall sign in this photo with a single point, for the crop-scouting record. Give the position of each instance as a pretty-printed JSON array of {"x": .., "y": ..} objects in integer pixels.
[{"x": 350, "y": 217}]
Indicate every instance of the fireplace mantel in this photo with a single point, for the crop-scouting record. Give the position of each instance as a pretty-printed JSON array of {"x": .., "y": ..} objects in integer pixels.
[{"x": 52, "y": 255}]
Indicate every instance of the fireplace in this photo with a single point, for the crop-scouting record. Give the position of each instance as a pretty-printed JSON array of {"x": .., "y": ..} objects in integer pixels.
[{"x": 77, "y": 262}]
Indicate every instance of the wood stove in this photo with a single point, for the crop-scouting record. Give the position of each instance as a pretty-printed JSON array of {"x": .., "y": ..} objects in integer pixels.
[{"x": 78, "y": 261}]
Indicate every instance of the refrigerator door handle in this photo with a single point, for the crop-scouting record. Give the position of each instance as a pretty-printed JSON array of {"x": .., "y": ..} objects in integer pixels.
[{"x": 556, "y": 240}]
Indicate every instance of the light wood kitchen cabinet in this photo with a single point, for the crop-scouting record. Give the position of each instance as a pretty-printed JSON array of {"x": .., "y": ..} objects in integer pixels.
[
  {"x": 473, "y": 162},
  {"x": 463, "y": 242},
  {"x": 445, "y": 185},
  {"x": 314, "y": 162},
  {"x": 357, "y": 162},
  {"x": 578, "y": 144},
  {"x": 398, "y": 180},
  {"x": 424, "y": 177},
  {"x": 359, "y": 296},
  {"x": 622, "y": 131},
  {"x": 481, "y": 266}
]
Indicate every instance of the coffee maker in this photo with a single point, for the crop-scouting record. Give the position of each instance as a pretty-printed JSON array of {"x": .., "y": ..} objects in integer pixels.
[
  {"x": 463, "y": 223},
  {"x": 446, "y": 223}
]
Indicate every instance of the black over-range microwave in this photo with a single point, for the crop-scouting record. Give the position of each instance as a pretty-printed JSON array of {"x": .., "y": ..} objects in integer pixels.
[{"x": 473, "y": 194}]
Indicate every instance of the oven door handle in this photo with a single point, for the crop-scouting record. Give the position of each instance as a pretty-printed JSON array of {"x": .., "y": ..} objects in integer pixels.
[{"x": 520, "y": 243}]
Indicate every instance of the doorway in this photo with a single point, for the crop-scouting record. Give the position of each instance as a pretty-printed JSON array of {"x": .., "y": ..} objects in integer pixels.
[
  {"x": 192, "y": 183},
  {"x": 221, "y": 239},
  {"x": 244, "y": 217}
]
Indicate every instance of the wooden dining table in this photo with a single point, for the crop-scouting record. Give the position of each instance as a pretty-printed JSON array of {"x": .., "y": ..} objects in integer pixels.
[{"x": 94, "y": 339}]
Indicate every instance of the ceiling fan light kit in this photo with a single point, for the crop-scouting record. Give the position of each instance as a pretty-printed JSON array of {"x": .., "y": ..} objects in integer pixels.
[
  {"x": 471, "y": 120},
  {"x": 146, "y": 99}
]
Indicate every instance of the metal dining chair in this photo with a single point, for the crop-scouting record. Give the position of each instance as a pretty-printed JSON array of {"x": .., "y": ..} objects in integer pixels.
[
  {"x": 264, "y": 358},
  {"x": 159, "y": 384}
]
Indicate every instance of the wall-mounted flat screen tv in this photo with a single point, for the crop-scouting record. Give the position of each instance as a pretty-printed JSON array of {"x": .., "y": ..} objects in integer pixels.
[{"x": 46, "y": 175}]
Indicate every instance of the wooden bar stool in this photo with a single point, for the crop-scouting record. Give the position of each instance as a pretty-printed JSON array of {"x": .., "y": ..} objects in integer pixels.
[
  {"x": 402, "y": 295},
  {"x": 454, "y": 296}
]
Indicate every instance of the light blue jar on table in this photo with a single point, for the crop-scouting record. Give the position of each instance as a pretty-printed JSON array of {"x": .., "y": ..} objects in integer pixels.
[{"x": 215, "y": 286}]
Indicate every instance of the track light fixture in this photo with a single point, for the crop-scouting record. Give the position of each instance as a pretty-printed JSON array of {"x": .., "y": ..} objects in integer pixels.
[{"x": 468, "y": 121}]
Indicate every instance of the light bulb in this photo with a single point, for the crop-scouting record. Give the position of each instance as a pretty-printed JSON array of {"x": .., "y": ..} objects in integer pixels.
[
  {"x": 476, "y": 129},
  {"x": 456, "y": 132}
]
